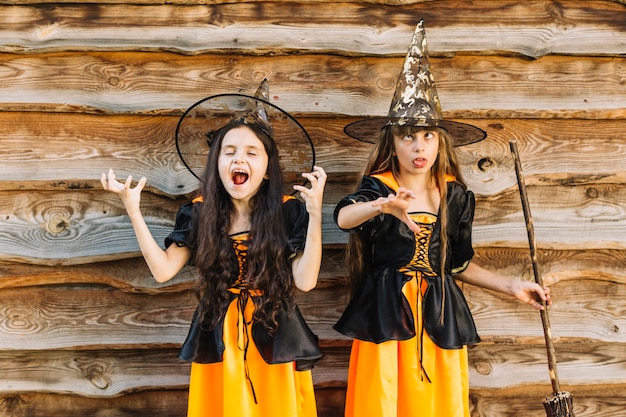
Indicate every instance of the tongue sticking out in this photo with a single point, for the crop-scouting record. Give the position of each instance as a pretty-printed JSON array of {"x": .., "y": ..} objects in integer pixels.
[{"x": 239, "y": 178}]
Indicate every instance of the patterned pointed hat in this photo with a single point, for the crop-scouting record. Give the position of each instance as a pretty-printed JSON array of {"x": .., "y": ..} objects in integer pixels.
[
  {"x": 415, "y": 102},
  {"x": 195, "y": 129}
]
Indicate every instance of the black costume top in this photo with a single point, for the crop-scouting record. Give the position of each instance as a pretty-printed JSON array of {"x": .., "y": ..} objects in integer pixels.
[
  {"x": 292, "y": 341},
  {"x": 378, "y": 311}
]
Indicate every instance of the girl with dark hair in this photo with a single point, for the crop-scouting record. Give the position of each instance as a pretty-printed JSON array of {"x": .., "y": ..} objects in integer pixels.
[
  {"x": 410, "y": 224},
  {"x": 250, "y": 349}
]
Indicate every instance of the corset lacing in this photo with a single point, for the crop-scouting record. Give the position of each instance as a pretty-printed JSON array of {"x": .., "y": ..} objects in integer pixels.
[
  {"x": 242, "y": 288},
  {"x": 419, "y": 267}
]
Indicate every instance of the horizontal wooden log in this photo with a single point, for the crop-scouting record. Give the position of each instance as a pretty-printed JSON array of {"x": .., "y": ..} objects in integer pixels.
[
  {"x": 112, "y": 373},
  {"x": 564, "y": 217},
  {"x": 129, "y": 275},
  {"x": 43, "y": 318},
  {"x": 36, "y": 144},
  {"x": 157, "y": 403},
  {"x": 132, "y": 275},
  {"x": 163, "y": 83},
  {"x": 532, "y": 28},
  {"x": 37, "y": 225},
  {"x": 93, "y": 373},
  {"x": 588, "y": 400},
  {"x": 584, "y": 309},
  {"x": 68, "y": 317},
  {"x": 87, "y": 226},
  {"x": 505, "y": 365}
]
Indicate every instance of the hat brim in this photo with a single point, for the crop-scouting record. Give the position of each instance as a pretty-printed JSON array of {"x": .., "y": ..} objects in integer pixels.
[
  {"x": 368, "y": 130},
  {"x": 295, "y": 148}
]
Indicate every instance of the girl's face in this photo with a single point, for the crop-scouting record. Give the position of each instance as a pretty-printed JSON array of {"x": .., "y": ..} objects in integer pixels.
[
  {"x": 242, "y": 163},
  {"x": 416, "y": 151}
]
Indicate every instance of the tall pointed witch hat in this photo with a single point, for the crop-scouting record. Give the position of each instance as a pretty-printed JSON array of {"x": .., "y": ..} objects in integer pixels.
[
  {"x": 194, "y": 132},
  {"x": 415, "y": 102}
]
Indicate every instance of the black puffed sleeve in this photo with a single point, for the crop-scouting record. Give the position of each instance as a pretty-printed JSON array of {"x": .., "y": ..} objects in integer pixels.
[
  {"x": 181, "y": 235},
  {"x": 461, "y": 238},
  {"x": 370, "y": 189},
  {"x": 297, "y": 221}
]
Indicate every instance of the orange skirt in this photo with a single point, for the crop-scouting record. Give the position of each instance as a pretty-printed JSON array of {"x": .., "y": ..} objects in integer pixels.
[
  {"x": 386, "y": 380},
  {"x": 224, "y": 389}
]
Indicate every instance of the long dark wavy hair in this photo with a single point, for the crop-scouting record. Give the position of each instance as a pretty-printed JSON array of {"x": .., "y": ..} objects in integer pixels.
[
  {"x": 381, "y": 160},
  {"x": 268, "y": 268}
]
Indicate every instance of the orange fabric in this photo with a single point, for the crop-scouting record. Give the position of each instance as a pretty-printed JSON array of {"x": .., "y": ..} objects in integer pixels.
[
  {"x": 222, "y": 389},
  {"x": 385, "y": 380}
]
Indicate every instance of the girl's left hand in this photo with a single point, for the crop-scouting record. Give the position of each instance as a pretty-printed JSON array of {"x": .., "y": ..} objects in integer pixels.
[
  {"x": 531, "y": 293},
  {"x": 313, "y": 196}
]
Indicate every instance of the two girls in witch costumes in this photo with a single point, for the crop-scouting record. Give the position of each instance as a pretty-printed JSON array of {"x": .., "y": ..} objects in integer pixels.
[
  {"x": 410, "y": 224},
  {"x": 250, "y": 349}
]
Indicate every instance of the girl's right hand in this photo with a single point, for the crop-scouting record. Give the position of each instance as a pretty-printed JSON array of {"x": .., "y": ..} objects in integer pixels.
[
  {"x": 129, "y": 196},
  {"x": 397, "y": 205}
]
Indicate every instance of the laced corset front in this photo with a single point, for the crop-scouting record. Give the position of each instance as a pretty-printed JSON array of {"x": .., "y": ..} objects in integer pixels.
[
  {"x": 245, "y": 310},
  {"x": 419, "y": 267},
  {"x": 420, "y": 261}
]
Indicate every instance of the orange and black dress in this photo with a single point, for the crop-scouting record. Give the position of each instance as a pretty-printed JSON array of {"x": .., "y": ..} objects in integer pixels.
[
  {"x": 405, "y": 361},
  {"x": 238, "y": 367}
]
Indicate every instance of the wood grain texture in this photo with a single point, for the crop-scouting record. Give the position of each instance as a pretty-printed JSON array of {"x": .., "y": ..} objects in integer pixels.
[
  {"x": 469, "y": 86},
  {"x": 87, "y": 86},
  {"x": 111, "y": 373},
  {"x": 59, "y": 228},
  {"x": 586, "y": 309},
  {"x": 532, "y": 28},
  {"x": 48, "y": 318},
  {"x": 553, "y": 152}
]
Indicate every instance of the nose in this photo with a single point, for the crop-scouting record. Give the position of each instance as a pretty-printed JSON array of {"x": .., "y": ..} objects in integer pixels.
[{"x": 418, "y": 144}]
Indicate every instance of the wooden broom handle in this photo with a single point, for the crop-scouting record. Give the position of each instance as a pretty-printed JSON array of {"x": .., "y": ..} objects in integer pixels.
[{"x": 545, "y": 320}]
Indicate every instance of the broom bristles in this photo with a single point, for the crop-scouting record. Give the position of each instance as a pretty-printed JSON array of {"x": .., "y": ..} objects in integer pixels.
[{"x": 560, "y": 404}]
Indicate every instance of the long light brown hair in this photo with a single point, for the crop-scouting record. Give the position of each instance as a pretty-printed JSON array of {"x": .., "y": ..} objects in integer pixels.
[{"x": 381, "y": 160}]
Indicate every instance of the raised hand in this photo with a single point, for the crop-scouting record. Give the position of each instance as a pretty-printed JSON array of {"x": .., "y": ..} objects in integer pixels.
[
  {"x": 130, "y": 196},
  {"x": 313, "y": 196},
  {"x": 397, "y": 205}
]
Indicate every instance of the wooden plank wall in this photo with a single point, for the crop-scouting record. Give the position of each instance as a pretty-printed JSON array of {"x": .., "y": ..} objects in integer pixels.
[{"x": 85, "y": 86}]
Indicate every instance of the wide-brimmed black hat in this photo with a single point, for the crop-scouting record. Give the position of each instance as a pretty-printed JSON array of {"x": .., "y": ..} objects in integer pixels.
[
  {"x": 415, "y": 101},
  {"x": 197, "y": 125}
]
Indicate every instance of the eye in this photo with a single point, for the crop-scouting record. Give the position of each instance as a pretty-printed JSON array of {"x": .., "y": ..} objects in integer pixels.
[
  {"x": 429, "y": 135},
  {"x": 407, "y": 137}
]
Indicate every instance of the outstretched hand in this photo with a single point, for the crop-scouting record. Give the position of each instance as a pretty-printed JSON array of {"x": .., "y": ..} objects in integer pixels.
[
  {"x": 313, "y": 196},
  {"x": 397, "y": 205},
  {"x": 130, "y": 196}
]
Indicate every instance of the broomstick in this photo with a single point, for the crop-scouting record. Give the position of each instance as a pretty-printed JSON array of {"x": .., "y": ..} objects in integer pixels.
[{"x": 559, "y": 403}]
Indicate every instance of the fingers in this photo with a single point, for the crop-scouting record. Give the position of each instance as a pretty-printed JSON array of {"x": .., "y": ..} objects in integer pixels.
[
  {"x": 405, "y": 194},
  {"x": 539, "y": 297},
  {"x": 317, "y": 176},
  {"x": 109, "y": 183},
  {"x": 317, "y": 179}
]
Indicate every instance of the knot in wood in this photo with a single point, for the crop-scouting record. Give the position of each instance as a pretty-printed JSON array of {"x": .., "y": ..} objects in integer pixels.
[
  {"x": 483, "y": 368},
  {"x": 12, "y": 404},
  {"x": 95, "y": 373},
  {"x": 592, "y": 192},
  {"x": 57, "y": 224},
  {"x": 100, "y": 381},
  {"x": 486, "y": 163}
]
